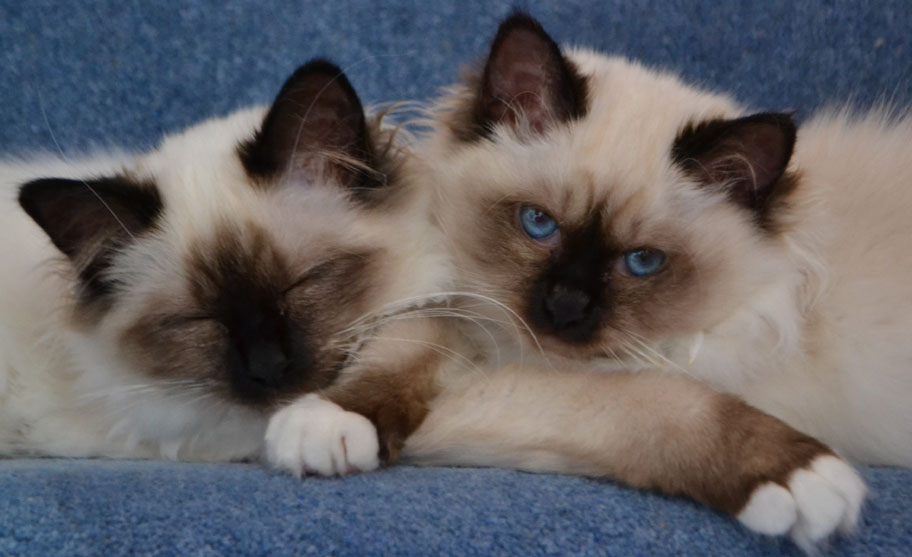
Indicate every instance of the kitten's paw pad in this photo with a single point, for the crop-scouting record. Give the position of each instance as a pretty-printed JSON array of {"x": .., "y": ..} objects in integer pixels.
[
  {"x": 818, "y": 500},
  {"x": 316, "y": 436}
]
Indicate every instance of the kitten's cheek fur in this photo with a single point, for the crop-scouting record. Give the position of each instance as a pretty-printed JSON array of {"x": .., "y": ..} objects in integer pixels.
[
  {"x": 818, "y": 500},
  {"x": 316, "y": 436}
]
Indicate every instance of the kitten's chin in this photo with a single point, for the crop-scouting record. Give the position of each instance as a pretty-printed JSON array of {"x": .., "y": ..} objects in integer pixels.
[
  {"x": 552, "y": 344},
  {"x": 561, "y": 354},
  {"x": 604, "y": 355}
]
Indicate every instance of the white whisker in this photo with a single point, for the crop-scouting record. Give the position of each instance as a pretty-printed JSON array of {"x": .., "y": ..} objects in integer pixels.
[
  {"x": 662, "y": 360},
  {"x": 63, "y": 156},
  {"x": 440, "y": 349}
]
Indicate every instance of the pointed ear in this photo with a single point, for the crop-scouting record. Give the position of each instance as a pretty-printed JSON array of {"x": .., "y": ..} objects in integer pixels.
[
  {"x": 527, "y": 81},
  {"x": 316, "y": 125},
  {"x": 746, "y": 157},
  {"x": 88, "y": 219}
]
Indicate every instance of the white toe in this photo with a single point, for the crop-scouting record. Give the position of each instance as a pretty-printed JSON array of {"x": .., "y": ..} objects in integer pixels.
[
  {"x": 283, "y": 445},
  {"x": 820, "y": 507},
  {"x": 848, "y": 484},
  {"x": 771, "y": 510},
  {"x": 361, "y": 446}
]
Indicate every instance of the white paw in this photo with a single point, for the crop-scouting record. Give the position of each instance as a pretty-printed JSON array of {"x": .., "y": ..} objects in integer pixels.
[
  {"x": 316, "y": 436},
  {"x": 820, "y": 499}
]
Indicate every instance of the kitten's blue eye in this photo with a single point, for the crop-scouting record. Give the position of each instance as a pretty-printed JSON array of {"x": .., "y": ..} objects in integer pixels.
[
  {"x": 536, "y": 223},
  {"x": 644, "y": 262}
]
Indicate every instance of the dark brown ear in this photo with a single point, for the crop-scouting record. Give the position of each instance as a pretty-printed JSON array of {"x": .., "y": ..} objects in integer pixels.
[
  {"x": 747, "y": 157},
  {"x": 316, "y": 125},
  {"x": 527, "y": 80},
  {"x": 89, "y": 219}
]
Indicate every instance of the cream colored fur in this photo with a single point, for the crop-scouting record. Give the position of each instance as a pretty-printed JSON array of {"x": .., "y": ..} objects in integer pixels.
[{"x": 810, "y": 323}]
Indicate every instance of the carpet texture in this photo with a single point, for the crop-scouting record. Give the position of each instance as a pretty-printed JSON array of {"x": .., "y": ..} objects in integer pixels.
[
  {"x": 76, "y": 76},
  {"x": 114, "y": 72},
  {"x": 112, "y": 508}
]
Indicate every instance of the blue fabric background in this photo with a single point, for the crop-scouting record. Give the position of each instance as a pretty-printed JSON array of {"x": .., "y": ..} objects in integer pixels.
[
  {"x": 103, "y": 73},
  {"x": 125, "y": 72}
]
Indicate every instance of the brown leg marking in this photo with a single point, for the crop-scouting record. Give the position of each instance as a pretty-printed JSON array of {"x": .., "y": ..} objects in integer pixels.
[{"x": 396, "y": 400}]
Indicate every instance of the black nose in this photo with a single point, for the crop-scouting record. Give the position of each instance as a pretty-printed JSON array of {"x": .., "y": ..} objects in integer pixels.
[
  {"x": 570, "y": 311},
  {"x": 258, "y": 353},
  {"x": 266, "y": 362}
]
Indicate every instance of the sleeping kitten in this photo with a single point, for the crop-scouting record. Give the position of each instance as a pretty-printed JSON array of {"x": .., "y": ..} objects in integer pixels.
[
  {"x": 636, "y": 222},
  {"x": 166, "y": 305}
]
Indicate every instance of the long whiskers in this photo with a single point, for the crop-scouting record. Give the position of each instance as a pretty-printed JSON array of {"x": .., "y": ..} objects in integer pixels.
[
  {"x": 361, "y": 328},
  {"x": 477, "y": 319},
  {"x": 172, "y": 388},
  {"x": 614, "y": 355},
  {"x": 654, "y": 356},
  {"x": 444, "y": 351}
]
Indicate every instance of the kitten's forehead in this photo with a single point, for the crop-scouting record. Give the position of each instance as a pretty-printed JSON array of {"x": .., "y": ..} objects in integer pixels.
[
  {"x": 215, "y": 221},
  {"x": 616, "y": 160},
  {"x": 560, "y": 176},
  {"x": 635, "y": 114},
  {"x": 644, "y": 107},
  {"x": 203, "y": 184},
  {"x": 206, "y": 193}
]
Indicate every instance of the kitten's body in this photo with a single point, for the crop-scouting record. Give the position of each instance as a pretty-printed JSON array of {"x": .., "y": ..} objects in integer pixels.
[
  {"x": 141, "y": 368},
  {"x": 823, "y": 346},
  {"x": 842, "y": 368},
  {"x": 800, "y": 306}
]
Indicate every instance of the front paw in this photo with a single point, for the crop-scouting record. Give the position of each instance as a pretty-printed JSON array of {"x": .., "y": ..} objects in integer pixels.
[
  {"x": 316, "y": 436},
  {"x": 816, "y": 501}
]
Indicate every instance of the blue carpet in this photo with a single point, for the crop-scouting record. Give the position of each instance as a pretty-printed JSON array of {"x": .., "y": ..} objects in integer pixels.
[
  {"x": 125, "y": 72},
  {"x": 102, "y": 507},
  {"x": 77, "y": 75}
]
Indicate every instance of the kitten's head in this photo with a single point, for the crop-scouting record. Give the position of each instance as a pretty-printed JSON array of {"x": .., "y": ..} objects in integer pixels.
[
  {"x": 231, "y": 262},
  {"x": 608, "y": 205}
]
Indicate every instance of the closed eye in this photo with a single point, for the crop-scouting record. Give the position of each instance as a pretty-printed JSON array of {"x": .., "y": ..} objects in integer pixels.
[
  {"x": 194, "y": 317},
  {"x": 307, "y": 276},
  {"x": 189, "y": 319},
  {"x": 337, "y": 269}
]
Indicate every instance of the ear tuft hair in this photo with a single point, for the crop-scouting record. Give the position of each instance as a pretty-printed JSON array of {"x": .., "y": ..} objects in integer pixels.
[
  {"x": 526, "y": 81},
  {"x": 315, "y": 126}
]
